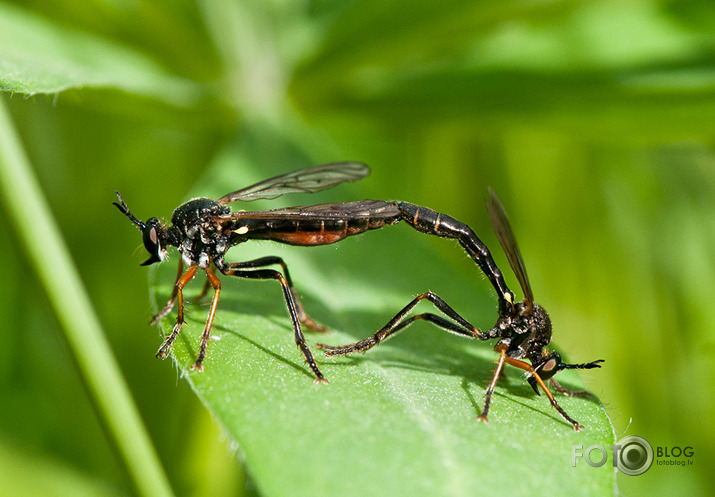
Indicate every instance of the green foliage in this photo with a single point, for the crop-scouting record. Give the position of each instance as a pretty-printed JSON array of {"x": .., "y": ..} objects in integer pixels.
[
  {"x": 39, "y": 56},
  {"x": 74, "y": 311},
  {"x": 592, "y": 120}
]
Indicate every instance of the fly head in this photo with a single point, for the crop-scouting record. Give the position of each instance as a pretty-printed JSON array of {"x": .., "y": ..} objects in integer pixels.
[
  {"x": 155, "y": 237},
  {"x": 550, "y": 364}
]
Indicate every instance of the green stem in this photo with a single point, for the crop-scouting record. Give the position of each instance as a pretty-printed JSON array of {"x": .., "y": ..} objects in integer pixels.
[{"x": 28, "y": 209}]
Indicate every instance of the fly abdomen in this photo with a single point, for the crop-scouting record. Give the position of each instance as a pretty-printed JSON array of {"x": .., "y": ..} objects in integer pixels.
[
  {"x": 432, "y": 222},
  {"x": 429, "y": 221},
  {"x": 317, "y": 225}
]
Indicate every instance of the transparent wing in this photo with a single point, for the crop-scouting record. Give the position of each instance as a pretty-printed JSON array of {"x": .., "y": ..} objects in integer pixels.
[
  {"x": 308, "y": 180},
  {"x": 373, "y": 209},
  {"x": 502, "y": 228}
]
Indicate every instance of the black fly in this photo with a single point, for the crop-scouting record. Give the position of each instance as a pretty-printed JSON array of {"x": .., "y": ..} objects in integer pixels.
[
  {"x": 204, "y": 229},
  {"x": 523, "y": 328}
]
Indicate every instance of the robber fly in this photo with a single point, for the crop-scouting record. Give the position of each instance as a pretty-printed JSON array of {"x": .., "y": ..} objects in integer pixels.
[
  {"x": 204, "y": 230},
  {"x": 523, "y": 328}
]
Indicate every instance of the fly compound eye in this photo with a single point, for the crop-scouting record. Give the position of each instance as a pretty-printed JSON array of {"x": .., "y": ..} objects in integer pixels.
[
  {"x": 152, "y": 241},
  {"x": 546, "y": 369},
  {"x": 550, "y": 367},
  {"x": 151, "y": 237}
]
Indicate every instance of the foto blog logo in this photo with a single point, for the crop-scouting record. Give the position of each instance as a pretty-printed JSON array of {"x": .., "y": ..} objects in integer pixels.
[{"x": 632, "y": 455}]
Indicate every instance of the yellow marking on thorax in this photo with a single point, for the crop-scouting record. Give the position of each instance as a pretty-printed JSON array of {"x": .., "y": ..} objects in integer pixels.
[{"x": 242, "y": 230}]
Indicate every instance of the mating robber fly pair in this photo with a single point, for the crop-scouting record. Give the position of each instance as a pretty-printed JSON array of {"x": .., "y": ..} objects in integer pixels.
[{"x": 204, "y": 229}]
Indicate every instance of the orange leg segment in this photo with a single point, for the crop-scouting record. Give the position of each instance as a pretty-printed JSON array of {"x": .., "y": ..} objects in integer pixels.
[
  {"x": 178, "y": 287},
  {"x": 527, "y": 367},
  {"x": 172, "y": 300},
  {"x": 497, "y": 372},
  {"x": 502, "y": 349},
  {"x": 216, "y": 284}
]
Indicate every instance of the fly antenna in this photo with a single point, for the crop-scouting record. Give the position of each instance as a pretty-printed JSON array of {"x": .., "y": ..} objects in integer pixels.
[
  {"x": 122, "y": 206},
  {"x": 589, "y": 365}
]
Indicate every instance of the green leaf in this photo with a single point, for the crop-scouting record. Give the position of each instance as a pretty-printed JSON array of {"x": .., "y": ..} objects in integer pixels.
[
  {"x": 41, "y": 56},
  {"x": 399, "y": 420}
]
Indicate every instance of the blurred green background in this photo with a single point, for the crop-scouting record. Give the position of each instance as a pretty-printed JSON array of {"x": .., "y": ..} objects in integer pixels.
[{"x": 593, "y": 120}]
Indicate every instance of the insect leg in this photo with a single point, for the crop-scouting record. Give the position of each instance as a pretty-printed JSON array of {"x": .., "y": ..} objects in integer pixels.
[
  {"x": 529, "y": 369},
  {"x": 428, "y": 221},
  {"x": 178, "y": 287},
  {"x": 303, "y": 317},
  {"x": 172, "y": 300},
  {"x": 216, "y": 284},
  {"x": 497, "y": 374},
  {"x": 458, "y": 325},
  {"x": 269, "y": 274},
  {"x": 204, "y": 290},
  {"x": 568, "y": 393}
]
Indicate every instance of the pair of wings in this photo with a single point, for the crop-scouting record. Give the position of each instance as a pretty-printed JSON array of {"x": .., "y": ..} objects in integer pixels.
[
  {"x": 317, "y": 178},
  {"x": 311, "y": 180},
  {"x": 308, "y": 180}
]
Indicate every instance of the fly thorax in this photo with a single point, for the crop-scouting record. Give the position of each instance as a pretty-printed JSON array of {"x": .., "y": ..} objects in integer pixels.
[
  {"x": 202, "y": 234},
  {"x": 534, "y": 332},
  {"x": 540, "y": 334},
  {"x": 197, "y": 218},
  {"x": 525, "y": 331}
]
